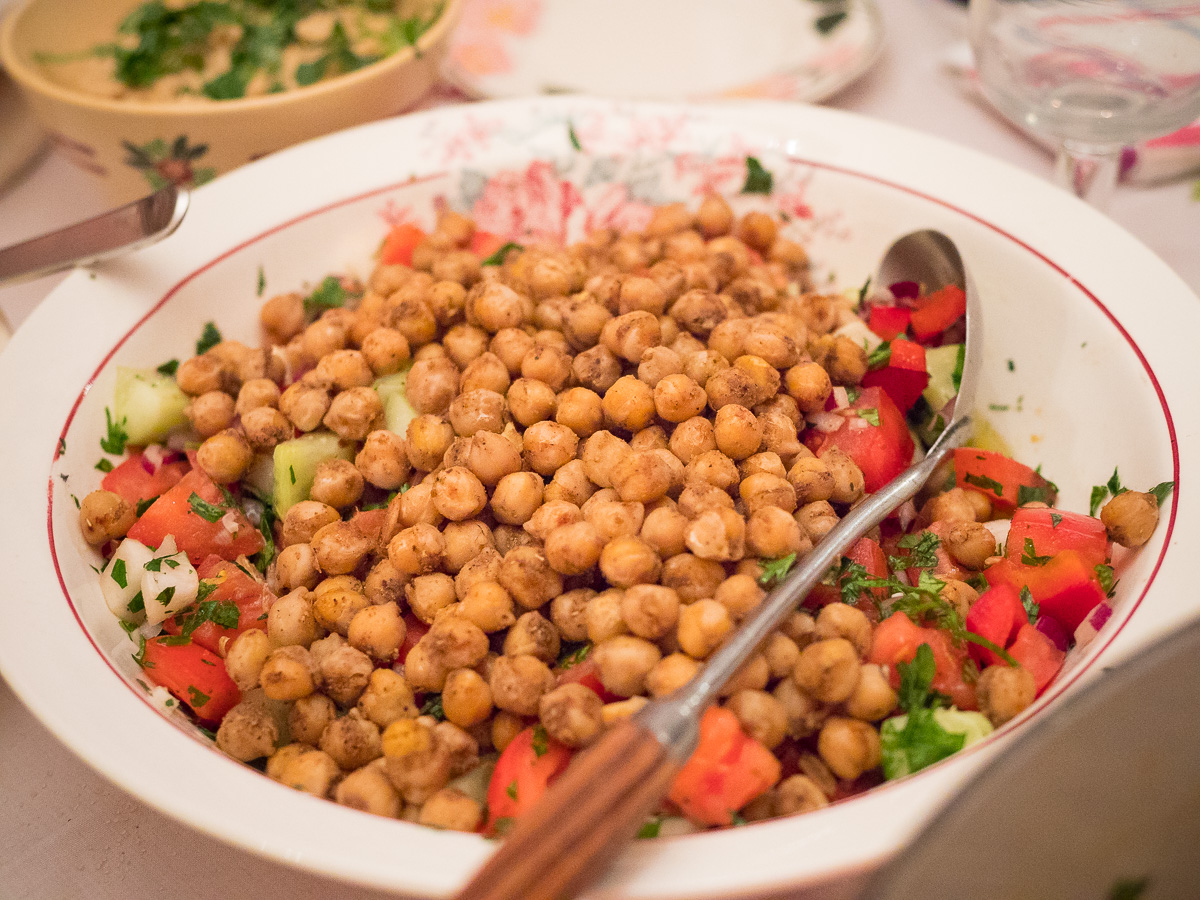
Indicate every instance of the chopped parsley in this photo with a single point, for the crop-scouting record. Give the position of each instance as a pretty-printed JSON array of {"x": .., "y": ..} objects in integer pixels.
[
  {"x": 736, "y": 819},
  {"x": 156, "y": 564},
  {"x": 960, "y": 363},
  {"x": 863, "y": 291},
  {"x": 1114, "y": 484},
  {"x": 104, "y": 465},
  {"x": 137, "y": 604},
  {"x": 140, "y": 656},
  {"x": 196, "y": 697},
  {"x": 129, "y": 627},
  {"x": 503, "y": 825},
  {"x": 209, "y": 512},
  {"x": 144, "y": 505},
  {"x": 1104, "y": 574},
  {"x": 511, "y": 790},
  {"x": 775, "y": 570},
  {"x": 987, "y": 484},
  {"x": 923, "y": 546},
  {"x": 573, "y": 137},
  {"x": 880, "y": 356},
  {"x": 264, "y": 557},
  {"x": 205, "y": 588},
  {"x": 1031, "y": 606},
  {"x": 169, "y": 368},
  {"x": 165, "y": 596},
  {"x": 829, "y": 21},
  {"x": 497, "y": 258},
  {"x": 262, "y": 282},
  {"x": 920, "y": 741},
  {"x": 1055, "y": 518},
  {"x": 118, "y": 573},
  {"x": 209, "y": 338},
  {"x": 292, "y": 473},
  {"x": 540, "y": 742},
  {"x": 1030, "y": 494},
  {"x": 1162, "y": 491},
  {"x": 329, "y": 295},
  {"x": 1029, "y": 555},
  {"x": 758, "y": 179},
  {"x": 649, "y": 829},
  {"x": 1012, "y": 367},
  {"x": 870, "y": 415},
  {"x": 433, "y": 707},
  {"x": 999, "y": 407},
  {"x": 1129, "y": 889},
  {"x": 1099, "y": 493},
  {"x": 223, "y": 613},
  {"x": 114, "y": 441},
  {"x": 573, "y": 654}
]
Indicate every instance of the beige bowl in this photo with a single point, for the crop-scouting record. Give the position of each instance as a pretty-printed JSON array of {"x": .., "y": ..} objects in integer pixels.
[{"x": 136, "y": 147}]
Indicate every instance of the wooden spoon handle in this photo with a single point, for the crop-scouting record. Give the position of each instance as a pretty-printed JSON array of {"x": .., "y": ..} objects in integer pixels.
[{"x": 582, "y": 822}]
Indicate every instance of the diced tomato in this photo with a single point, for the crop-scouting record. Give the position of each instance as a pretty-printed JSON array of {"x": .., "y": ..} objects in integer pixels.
[
  {"x": 587, "y": 673},
  {"x": 370, "y": 522},
  {"x": 484, "y": 244},
  {"x": 172, "y": 514},
  {"x": 889, "y": 322},
  {"x": 727, "y": 771},
  {"x": 997, "y": 615},
  {"x": 135, "y": 482},
  {"x": 415, "y": 629},
  {"x": 1004, "y": 481},
  {"x": 904, "y": 377},
  {"x": 194, "y": 676},
  {"x": 1066, "y": 588},
  {"x": 399, "y": 244},
  {"x": 938, "y": 311},
  {"x": 527, "y": 767},
  {"x": 252, "y": 598},
  {"x": 1054, "y": 530},
  {"x": 897, "y": 639},
  {"x": 1037, "y": 654},
  {"x": 881, "y": 451},
  {"x": 868, "y": 554}
]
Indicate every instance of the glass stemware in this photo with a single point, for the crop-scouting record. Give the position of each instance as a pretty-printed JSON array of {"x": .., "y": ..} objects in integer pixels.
[{"x": 1095, "y": 75}]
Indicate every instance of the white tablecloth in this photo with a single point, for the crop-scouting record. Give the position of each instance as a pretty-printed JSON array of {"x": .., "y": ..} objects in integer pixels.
[{"x": 68, "y": 833}]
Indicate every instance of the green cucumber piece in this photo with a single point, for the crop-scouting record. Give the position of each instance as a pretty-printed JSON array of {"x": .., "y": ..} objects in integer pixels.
[
  {"x": 296, "y": 464},
  {"x": 941, "y": 363},
  {"x": 397, "y": 412},
  {"x": 974, "y": 725},
  {"x": 150, "y": 405},
  {"x": 260, "y": 476}
]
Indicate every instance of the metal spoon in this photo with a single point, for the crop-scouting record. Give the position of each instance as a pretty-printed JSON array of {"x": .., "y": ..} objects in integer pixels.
[
  {"x": 589, "y": 814},
  {"x": 113, "y": 233}
]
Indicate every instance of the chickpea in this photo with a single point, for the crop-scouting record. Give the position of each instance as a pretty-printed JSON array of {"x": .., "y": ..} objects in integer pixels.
[
  {"x": 570, "y": 484},
  {"x": 369, "y": 790},
  {"x": 287, "y": 674},
  {"x": 466, "y": 698},
  {"x": 426, "y": 441},
  {"x": 245, "y": 657},
  {"x": 344, "y": 670},
  {"x": 809, "y": 384},
  {"x": 762, "y": 490},
  {"x": 518, "y": 683},
  {"x": 383, "y": 460},
  {"x": 486, "y": 372},
  {"x": 283, "y": 317},
  {"x": 771, "y": 534},
  {"x": 828, "y": 670},
  {"x": 549, "y": 445},
  {"x": 798, "y": 794},
  {"x": 762, "y": 716},
  {"x": 698, "y": 311},
  {"x": 712, "y": 467},
  {"x": 812, "y": 480},
  {"x": 623, "y": 662},
  {"x": 480, "y": 410},
  {"x": 432, "y": 384},
  {"x": 580, "y": 410},
  {"x": 309, "y": 717},
  {"x": 714, "y": 218},
  {"x": 211, "y": 412},
  {"x": 691, "y": 438},
  {"x": 781, "y": 654},
  {"x": 312, "y": 771},
  {"x": 970, "y": 544},
  {"x": 377, "y": 631},
  {"x": 427, "y": 595},
  {"x": 305, "y": 405},
  {"x": 671, "y": 673},
  {"x": 839, "y": 620},
  {"x": 336, "y": 483},
  {"x": 1130, "y": 518},
  {"x": 848, "y": 482},
  {"x": 650, "y": 610},
  {"x": 691, "y": 577},
  {"x": 740, "y": 594},
  {"x": 572, "y": 714},
  {"x": 958, "y": 594},
  {"x": 664, "y": 529},
  {"x": 729, "y": 338},
  {"x": 816, "y": 519},
  {"x": 248, "y": 732},
  {"x": 527, "y": 576},
  {"x": 290, "y": 620},
  {"x": 105, "y": 516},
  {"x": 584, "y": 323},
  {"x": 1004, "y": 692},
  {"x": 805, "y": 715},
  {"x": 628, "y": 404},
  {"x": 548, "y": 364},
  {"x": 353, "y": 412},
  {"x": 551, "y": 515},
  {"x": 872, "y": 698},
  {"x": 387, "y": 697},
  {"x": 602, "y": 616},
  {"x": 418, "y": 775},
  {"x": 225, "y": 456},
  {"x": 352, "y": 741},
  {"x": 201, "y": 375},
  {"x": 458, "y": 494},
  {"x": 596, "y": 368},
  {"x": 385, "y": 350},
  {"x": 573, "y": 549},
  {"x": 718, "y": 534},
  {"x": 265, "y": 427},
  {"x": 451, "y": 810},
  {"x": 642, "y": 476},
  {"x": 658, "y": 363},
  {"x": 340, "y": 547},
  {"x": 849, "y": 747},
  {"x": 628, "y": 560},
  {"x": 702, "y": 627},
  {"x": 532, "y": 635}
]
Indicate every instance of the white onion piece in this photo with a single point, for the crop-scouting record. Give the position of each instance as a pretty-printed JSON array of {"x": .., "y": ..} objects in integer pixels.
[
  {"x": 129, "y": 559},
  {"x": 841, "y": 398},
  {"x": 856, "y": 329},
  {"x": 154, "y": 454},
  {"x": 1090, "y": 627},
  {"x": 826, "y": 422},
  {"x": 906, "y": 512},
  {"x": 172, "y": 587},
  {"x": 999, "y": 529}
]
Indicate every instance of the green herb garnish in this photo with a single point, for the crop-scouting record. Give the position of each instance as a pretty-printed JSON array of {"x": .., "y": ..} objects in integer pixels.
[
  {"x": 497, "y": 258},
  {"x": 758, "y": 179},
  {"x": 987, "y": 484},
  {"x": 1029, "y": 555},
  {"x": 114, "y": 441},
  {"x": 775, "y": 570},
  {"x": 169, "y": 368},
  {"x": 207, "y": 511}
]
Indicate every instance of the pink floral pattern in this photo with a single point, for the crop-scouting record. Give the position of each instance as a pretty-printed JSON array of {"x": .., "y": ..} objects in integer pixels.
[{"x": 534, "y": 203}]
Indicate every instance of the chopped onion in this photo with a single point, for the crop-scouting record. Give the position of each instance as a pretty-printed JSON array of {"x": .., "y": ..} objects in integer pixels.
[
  {"x": 999, "y": 529},
  {"x": 230, "y": 524},
  {"x": 152, "y": 458},
  {"x": 1050, "y": 627},
  {"x": 906, "y": 512},
  {"x": 841, "y": 399},
  {"x": 905, "y": 290},
  {"x": 253, "y": 510},
  {"x": 826, "y": 422},
  {"x": 1090, "y": 627},
  {"x": 178, "y": 441}
]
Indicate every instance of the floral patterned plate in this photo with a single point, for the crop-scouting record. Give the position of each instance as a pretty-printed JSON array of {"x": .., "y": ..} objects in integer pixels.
[{"x": 801, "y": 50}]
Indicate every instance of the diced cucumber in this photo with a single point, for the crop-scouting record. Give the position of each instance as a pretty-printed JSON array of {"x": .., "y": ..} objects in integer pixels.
[
  {"x": 985, "y": 437},
  {"x": 296, "y": 464},
  {"x": 942, "y": 363},
  {"x": 974, "y": 725},
  {"x": 260, "y": 476},
  {"x": 397, "y": 411},
  {"x": 150, "y": 404}
]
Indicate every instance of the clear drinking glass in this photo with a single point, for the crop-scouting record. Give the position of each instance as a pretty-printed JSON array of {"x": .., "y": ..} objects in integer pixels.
[{"x": 1096, "y": 75}]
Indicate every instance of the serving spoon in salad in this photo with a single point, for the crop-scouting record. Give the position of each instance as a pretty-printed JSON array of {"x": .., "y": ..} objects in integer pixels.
[{"x": 599, "y": 803}]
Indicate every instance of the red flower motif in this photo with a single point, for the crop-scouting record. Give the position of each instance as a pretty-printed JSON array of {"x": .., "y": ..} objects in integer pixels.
[{"x": 534, "y": 204}]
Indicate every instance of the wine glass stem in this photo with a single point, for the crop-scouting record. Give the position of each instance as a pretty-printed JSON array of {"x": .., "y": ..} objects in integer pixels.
[{"x": 1089, "y": 170}]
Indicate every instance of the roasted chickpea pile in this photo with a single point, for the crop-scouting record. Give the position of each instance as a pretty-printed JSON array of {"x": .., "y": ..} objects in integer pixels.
[{"x": 604, "y": 459}]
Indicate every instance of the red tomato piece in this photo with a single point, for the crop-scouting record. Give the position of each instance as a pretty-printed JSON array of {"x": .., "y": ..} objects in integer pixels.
[
  {"x": 1000, "y": 479},
  {"x": 946, "y": 567},
  {"x": 904, "y": 377},
  {"x": 1066, "y": 588},
  {"x": 252, "y": 598},
  {"x": 889, "y": 322},
  {"x": 1054, "y": 530},
  {"x": 997, "y": 615},
  {"x": 194, "y": 676},
  {"x": 399, "y": 244},
  {"x": 524, "y": 771},
  {"x": 1037, "y": 654},
  {"x": 727, "y": 771},
  {"x": 484, "y": 244},
  {"x": 881, "y": 451},
  {"x": 415, "y": 629},
  {"x": 370, "y": 522},
  {"x": 938, "y": 311},
  {"x": 199, "y": 538},
  {"x": 868, "y": 554},
  {"x": 897, "y": 639},
  {"x": 134, "y": 481},
  {"x": 587, "y": 673}
]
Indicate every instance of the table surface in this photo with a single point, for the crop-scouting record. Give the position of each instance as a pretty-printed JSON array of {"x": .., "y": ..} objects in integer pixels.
[{"x": 67, "y": 832}]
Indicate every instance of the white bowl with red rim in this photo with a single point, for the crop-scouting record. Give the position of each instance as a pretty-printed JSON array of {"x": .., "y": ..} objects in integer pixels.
[{"x": 1098, "y": 331}]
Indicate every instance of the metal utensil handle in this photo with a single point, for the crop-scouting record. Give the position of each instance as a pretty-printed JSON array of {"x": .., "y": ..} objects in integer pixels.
[{"x": 674, "y": 719}]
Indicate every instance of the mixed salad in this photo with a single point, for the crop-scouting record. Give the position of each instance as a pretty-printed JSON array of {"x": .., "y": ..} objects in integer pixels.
[{"x": 448, "y": 523}]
